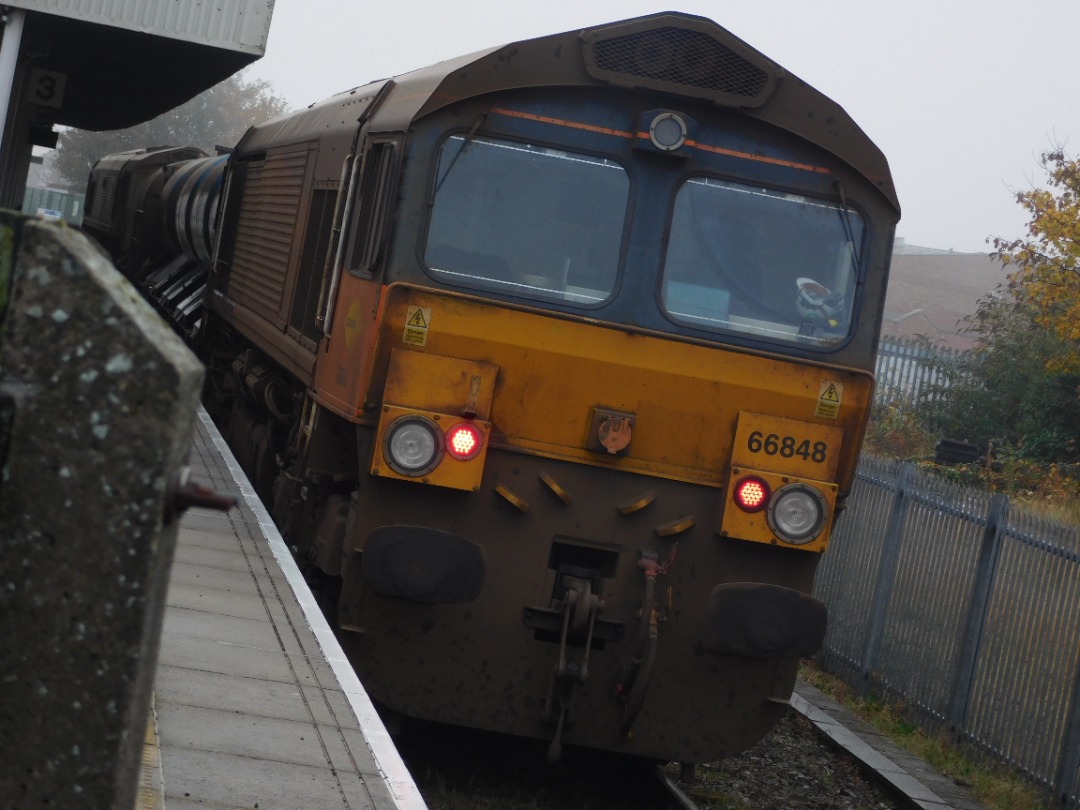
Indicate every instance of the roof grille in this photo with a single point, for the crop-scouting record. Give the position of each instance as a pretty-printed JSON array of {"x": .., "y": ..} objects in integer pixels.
[{"x": 680, "y": 60}]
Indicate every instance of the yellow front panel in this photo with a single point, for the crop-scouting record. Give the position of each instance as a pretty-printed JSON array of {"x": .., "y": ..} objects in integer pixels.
[
  {"x": 685, "y": 398},
  {"x": 450, "y": 472},
  {"x": 754, "y": 526},
  {"x": 787, "y": 446},
  {"x": 434, "y": 382}
]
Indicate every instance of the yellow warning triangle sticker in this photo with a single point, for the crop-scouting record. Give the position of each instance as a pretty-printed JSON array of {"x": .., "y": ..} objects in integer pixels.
[
  {"x": 416, "y": 318},
  {"x": 829, "y": 394}
]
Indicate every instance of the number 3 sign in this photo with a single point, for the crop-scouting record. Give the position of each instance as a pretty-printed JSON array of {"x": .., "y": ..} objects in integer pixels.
[{"x": 47, "y": 87}]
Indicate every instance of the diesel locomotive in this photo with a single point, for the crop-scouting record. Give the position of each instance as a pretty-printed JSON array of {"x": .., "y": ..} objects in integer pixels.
[{"x": 552, "y": 363}]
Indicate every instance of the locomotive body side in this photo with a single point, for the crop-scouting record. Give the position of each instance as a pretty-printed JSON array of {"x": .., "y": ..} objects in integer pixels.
[{"x": 553, "y": 363}]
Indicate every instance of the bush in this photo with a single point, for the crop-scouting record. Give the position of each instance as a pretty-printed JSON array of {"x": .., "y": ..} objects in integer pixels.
[
  {"x": 1007, "y": 394},
  {"x": 897, "y": 433}
]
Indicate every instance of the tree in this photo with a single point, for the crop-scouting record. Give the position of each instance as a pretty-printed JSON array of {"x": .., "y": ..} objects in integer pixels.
[
  {"x": 1011, "y": 393},
  {"x": 218, "y": 117},
  {"x": 1047, "y": 275},
  {"x": 1018, "y": 391}
]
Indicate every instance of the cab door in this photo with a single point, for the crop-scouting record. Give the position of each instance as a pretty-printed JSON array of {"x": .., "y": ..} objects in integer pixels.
[{"x": 352, "y": 305}]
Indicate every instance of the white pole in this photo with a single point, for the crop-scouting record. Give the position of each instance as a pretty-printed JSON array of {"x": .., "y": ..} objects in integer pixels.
[{"x": 9, "y": 59}]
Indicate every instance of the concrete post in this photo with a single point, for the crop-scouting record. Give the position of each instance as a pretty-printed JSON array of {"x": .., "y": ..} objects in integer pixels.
[{"x": 101, "y": 399}]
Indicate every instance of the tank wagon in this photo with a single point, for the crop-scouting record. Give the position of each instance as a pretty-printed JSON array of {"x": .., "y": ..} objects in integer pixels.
[{"x": 552, "y": 363}]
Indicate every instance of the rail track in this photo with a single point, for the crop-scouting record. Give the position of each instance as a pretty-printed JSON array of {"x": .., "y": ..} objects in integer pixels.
[
  {"x": 794, "y": 767},
  {"x": 678, "y": 797}
]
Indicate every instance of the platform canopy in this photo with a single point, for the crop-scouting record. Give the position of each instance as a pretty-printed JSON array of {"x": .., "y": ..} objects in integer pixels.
[{"x": 94, "y": 65}]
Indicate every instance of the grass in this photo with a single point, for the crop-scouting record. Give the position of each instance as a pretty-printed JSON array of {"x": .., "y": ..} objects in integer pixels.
[
  {"x": 1052, "y": 509},
  {"x": 996, "y": 787}
]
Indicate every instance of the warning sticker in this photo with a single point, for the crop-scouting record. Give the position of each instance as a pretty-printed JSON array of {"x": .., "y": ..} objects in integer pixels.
[
  {"x": 417, "y": 322},
  {"x": 829, "y": 398}
]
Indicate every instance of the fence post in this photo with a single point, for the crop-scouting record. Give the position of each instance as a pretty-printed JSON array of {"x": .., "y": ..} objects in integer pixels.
[
  {"x": 1065, "y": 783},
  {"x": 886, "y": 577},
  {"x": 976, "y": 620}
]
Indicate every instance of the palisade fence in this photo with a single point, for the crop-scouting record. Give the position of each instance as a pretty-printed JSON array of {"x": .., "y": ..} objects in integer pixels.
[
  {"x": 965, "y": 608},
  {"x": 911, "y": 370}
]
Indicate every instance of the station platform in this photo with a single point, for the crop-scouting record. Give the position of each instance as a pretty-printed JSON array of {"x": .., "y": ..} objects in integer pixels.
[{"x": 255, "y": 705}]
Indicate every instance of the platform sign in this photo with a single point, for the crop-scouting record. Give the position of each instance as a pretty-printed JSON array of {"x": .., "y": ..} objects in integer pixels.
[{"x": 46, "y": 88}]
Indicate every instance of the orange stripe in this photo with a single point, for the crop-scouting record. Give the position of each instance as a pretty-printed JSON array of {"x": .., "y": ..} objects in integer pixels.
[
  {"x": 806, "y": 167},
  {"x": 559, "y": 122}
]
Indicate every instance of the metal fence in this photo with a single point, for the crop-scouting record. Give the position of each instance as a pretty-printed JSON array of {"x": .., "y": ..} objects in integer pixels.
[
  {"x": 967, "y": 609},
  {"x": 911, "y": 370}
]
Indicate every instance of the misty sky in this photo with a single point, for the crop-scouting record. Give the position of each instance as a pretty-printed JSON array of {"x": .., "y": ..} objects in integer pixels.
[{"x": 961, "y": 95}]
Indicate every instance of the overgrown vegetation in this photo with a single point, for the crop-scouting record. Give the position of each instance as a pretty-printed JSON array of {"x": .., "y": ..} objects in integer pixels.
[
  {"x": 896, "y": 432},
  {"x": 1016, "y": 398},
  {"x": 994, "y": 786}
]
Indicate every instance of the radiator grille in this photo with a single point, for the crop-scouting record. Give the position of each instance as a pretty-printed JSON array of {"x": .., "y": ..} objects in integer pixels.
[
  {"x": 266, "y": 231},
  {"x": 677, "y": 56}
]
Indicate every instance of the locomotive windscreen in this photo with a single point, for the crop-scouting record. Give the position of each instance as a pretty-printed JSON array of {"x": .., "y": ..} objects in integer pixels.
[
  {"x": 746, "y": 259},
  {"x": 532, "y": 221}
]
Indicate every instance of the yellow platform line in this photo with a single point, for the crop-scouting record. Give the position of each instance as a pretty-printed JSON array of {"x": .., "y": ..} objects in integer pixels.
[{"x": 151, "y": 787}]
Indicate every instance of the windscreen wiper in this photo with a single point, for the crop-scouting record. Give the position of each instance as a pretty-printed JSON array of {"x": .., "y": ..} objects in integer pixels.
[{"x": 453, "y": 161}]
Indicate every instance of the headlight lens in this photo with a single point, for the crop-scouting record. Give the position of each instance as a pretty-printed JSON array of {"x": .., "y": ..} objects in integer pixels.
[
  {"x": 413, "y": 446},
  {"x": 797, "y": 513},
  {"x": 667, "y": 132}
]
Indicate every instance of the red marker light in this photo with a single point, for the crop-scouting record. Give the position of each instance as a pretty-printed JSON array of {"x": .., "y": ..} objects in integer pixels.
[
  {"x": 751, "y": 494},
  {"x": 463, "y": 441}
]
